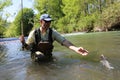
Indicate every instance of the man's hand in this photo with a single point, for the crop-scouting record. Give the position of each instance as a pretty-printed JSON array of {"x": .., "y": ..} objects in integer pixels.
[
  {"x": 22, "y": 39},
  {"x": 78, "y": 50},
  {"x": 82, "y": 51}
]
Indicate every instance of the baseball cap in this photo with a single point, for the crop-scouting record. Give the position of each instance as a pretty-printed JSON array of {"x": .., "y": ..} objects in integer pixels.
[{"x": 45, "y": 17}]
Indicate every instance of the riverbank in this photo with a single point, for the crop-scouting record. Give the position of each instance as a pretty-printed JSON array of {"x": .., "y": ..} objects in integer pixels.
[
  {"x": 14, "y": 38},
  {"x": 76, "y": 33}
]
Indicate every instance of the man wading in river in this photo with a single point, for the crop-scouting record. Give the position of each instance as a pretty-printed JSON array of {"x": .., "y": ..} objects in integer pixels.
[{"x": 40, "y": 41}]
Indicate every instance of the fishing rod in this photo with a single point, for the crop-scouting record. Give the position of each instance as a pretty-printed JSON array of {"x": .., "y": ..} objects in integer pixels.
[
  {"x": 22, "y": 32},
  {"x": 22, "y": 29}
]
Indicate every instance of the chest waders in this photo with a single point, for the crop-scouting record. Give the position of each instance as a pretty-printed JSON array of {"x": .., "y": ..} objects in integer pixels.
[{"x": 42, "y": 51}]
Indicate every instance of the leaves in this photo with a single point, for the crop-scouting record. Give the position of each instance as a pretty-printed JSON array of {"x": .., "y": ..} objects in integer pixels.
[
  {"x": 3, "y": 23},
  {"x": 27, "y": 19},
  {"x": 70, "y": 16}
]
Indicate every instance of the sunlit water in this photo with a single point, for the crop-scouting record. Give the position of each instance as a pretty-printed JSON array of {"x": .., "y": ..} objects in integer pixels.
[{"x": 16, "y": 64}]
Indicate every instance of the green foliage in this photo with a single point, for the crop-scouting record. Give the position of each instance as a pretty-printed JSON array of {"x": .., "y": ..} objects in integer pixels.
[
  {"x": 87, "y": 22},
  {"x": 62, "y": 25},
  {"x": 3, "y": 23},
  {"x": 52, "y": 7},
  {"x": 69, "y": 16},
  {"x": 2, "y": 29},
  {"x": 113, "y": 18},
  {"x": 109, "y": 17},
  {"x": 27, "y": 19},
  {"x": 4, "y": 3},
  {"x": 79, "y": 15},
  {"x": 11, "y": 31}
]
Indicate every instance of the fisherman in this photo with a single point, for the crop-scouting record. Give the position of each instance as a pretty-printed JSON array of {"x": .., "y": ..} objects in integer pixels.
[{"x": 40, "y": 41}]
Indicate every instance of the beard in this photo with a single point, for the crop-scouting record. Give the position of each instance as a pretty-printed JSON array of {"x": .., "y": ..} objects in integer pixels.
[{"x": 45, "y": 27}]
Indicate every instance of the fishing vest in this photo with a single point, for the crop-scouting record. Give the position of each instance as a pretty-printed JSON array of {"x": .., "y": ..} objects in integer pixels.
[{"x": 44, "y": 47}]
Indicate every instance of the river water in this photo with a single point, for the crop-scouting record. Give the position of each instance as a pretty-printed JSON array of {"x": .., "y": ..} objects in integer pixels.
[{"x": 16, "y": 64}]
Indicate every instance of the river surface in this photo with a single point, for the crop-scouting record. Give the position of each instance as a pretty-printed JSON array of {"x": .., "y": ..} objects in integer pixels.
[{"x": 16, "y": 64}]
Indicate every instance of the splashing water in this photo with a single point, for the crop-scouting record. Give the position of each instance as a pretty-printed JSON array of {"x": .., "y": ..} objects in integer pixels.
[{"x": 105, "y": 62}]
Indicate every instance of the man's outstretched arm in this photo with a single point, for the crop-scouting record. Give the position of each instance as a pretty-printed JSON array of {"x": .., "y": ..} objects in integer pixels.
[{"x": 79, "y": 50}]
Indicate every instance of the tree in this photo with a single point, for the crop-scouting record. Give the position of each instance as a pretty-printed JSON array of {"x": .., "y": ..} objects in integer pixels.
[
  {"x": 3, "y": 23},
  {"x": 75, "y": 15},
  {"x": 28, "y": 21},
  {"x": 4, "y": 3},
  {"x": 52, "y": 7}
]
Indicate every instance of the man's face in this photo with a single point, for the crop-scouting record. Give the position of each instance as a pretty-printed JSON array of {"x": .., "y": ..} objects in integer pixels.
[{"x": 45, "y": 24}]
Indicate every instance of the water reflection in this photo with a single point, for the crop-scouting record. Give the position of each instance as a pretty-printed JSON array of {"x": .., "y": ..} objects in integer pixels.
[{"x": 3, "y": 52}]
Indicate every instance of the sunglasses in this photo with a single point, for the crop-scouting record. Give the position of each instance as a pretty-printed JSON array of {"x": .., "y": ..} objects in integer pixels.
[{"x": 47, "y": 21}]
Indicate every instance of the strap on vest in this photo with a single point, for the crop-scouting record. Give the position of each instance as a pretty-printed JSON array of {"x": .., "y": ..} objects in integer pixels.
[
  {"x": 38, "y": 36},
  {"x": 50, "y": 35}
]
